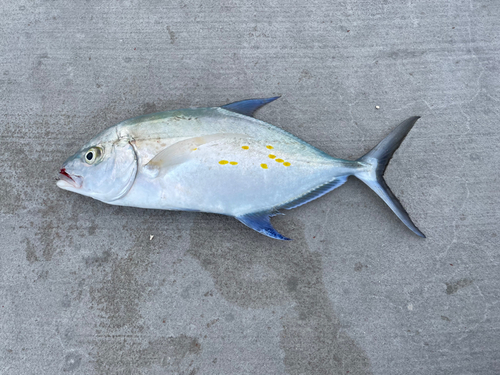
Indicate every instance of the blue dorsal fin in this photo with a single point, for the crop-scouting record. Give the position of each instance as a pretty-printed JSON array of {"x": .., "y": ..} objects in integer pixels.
[
  {"x": 260, "y": 222},
  {"x": 316, "y": 193},
  {"x": 249, "y": 106}
]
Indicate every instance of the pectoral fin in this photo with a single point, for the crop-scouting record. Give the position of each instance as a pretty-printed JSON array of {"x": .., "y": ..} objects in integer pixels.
[
  {"x": 183, "y": 151},
  {"x": 173, "y": 155},
  {"x": 261, "y": 222}
]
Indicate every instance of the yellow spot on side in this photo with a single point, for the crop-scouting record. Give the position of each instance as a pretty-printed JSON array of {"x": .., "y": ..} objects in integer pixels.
[
  {"x": 269, "y": 147},
  {"x": 223, "y": 162},
  {"x": 264, "y": 166},
  {"x": 286, "y": 164},
  {"x": 279, "y": 160},
  {"x": 245, "y": 147},
  {"x": 194, "y": 149},
  {"x": 272, "y": 156},
  {"x": 233, "y": 162}
]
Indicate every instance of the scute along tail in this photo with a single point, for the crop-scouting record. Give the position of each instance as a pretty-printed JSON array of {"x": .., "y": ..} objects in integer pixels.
[{"x": 378, "y": 158}]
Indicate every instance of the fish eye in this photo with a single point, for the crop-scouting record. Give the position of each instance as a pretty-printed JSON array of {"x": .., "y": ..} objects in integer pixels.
[{"x": 92, "y": 155}]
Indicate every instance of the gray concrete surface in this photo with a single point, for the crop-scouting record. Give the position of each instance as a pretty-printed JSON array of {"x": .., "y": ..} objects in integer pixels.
[{"x": 83, "y": 288}]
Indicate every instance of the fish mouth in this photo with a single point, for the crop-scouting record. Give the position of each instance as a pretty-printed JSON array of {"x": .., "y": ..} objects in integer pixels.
[{"x": 68, "y": 181}]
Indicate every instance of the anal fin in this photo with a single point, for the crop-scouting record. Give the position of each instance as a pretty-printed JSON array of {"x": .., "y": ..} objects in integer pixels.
[{"x": 261, "y": 222}]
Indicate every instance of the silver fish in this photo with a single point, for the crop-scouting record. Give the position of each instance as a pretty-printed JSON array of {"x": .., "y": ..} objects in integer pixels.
[{"x": 220, "y": 160}]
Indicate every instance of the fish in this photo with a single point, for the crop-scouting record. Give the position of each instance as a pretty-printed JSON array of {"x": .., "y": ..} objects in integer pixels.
[{"x": 221, "y": 160}]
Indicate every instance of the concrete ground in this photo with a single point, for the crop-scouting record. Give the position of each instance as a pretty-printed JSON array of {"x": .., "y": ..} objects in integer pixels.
[{"x": 83, "y": 288}]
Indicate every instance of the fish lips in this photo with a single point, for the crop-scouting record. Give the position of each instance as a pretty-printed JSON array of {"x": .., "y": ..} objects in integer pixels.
[{"x": 69, "y": 182}]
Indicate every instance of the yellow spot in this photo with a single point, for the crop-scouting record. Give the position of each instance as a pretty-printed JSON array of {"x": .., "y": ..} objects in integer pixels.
[
  {"x": 279, "y": 160},
  {"x": 272, "y": 156},
  {"x": 286, "y": 164},
  {"x": 233, "y": 162},
  {"x": 269, "y": 147},
  {"x": 264, "y": 166},
  {"x": 245, "y": 147},
  {"x": 223, "y": 162},
  {"x": 194, "y": 149}
]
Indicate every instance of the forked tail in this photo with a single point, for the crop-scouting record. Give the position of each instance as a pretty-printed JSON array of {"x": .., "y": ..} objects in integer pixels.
[{"x": 377, "y": 159}]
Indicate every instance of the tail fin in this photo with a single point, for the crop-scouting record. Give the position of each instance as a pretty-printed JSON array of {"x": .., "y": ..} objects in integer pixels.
[{"x": 378, "y": 158}]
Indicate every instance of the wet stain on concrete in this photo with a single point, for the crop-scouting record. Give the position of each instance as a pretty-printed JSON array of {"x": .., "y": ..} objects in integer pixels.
[
  {"x": 122, "y": 356},
  {"x": 98, "y": 260},
  {"x": 10, "y": 198},
  {"x": 149, "y": 108},
  {"x": 50, "y": 235},
  {"x": 292, "y": 284},
  {"x": 453, "y": 287},
  {"x": 120, "y": 293},
  {"x": 24, "y": 191},
  {"x": 189, "y": 290},
  {"x": 126, "y": 344},
  {"x": 312, "y": 338},
  {"x": 45, "y": 242},
  {"x": 30, "y": 251}
]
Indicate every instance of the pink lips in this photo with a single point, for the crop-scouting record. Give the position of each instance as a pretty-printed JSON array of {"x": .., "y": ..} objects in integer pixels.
[
  {"x": 66, "y": 175},
  {"x": 75, "y": 181}
]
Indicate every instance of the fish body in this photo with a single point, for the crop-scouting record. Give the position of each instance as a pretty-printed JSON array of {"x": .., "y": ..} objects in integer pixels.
[{"x": 219, "y": 160}]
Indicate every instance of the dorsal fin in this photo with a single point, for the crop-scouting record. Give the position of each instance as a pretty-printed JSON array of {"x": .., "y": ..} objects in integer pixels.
[
  {"x": 249, "y": 106},
  {"x": 260, "y": 222}
]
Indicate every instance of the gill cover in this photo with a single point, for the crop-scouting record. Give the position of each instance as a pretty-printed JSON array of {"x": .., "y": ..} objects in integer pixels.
[{"x": 118, "y": 173}]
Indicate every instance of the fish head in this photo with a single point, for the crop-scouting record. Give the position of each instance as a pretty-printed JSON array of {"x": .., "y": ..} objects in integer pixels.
[{"x": 104, "y": 169}]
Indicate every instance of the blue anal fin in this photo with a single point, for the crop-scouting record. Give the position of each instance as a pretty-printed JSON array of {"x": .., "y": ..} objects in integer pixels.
[
  {"x": 249, "y": 106},
  {"x": 260, "y": 222}
]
